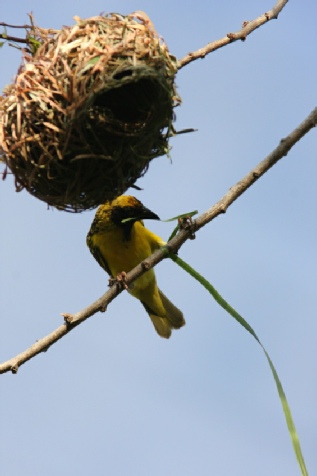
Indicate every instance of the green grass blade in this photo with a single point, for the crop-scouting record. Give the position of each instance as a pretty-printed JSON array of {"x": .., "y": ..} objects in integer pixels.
[
  {"x": 225, "y": 305},
  {"x": 183, "y": 215}
]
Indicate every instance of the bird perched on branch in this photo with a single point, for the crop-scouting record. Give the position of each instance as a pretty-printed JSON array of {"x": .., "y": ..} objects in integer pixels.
[{"x": 119, "y": 241}]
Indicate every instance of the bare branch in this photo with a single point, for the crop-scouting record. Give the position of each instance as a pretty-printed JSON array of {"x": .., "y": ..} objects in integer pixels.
[
  {"x": 14, "y": 26},
  {"x": 4, "y": 36},
  {"x": 73, "y": 320},
  {"x": 247, "y": 28},
  {"x": 278, "y": 153}
]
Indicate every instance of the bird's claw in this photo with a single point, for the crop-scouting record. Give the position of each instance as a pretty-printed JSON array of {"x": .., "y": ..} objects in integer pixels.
[{"x": 120, "y": 280}]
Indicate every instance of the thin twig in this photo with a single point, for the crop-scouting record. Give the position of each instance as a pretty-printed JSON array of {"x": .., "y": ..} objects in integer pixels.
[
  {"x": 4, "y": 36},
  {"x": 14, "y": 38},
  {"x": 247, "y": 28},
  {"x": 73, "y": 320},
  {"x": 14, "y": 26}
]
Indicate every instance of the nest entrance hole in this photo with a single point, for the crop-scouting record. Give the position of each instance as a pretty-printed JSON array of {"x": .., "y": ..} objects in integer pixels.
[{"x": 131, "y": 105}]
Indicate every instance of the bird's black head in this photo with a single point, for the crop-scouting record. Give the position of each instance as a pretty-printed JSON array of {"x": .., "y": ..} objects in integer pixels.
[{"x": 126, "y": 210}]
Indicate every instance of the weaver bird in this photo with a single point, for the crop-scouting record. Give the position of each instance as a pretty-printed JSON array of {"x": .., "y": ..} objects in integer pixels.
[{"x": 119, "y": 245}]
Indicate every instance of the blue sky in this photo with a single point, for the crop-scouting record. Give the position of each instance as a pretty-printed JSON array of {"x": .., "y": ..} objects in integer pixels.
[{"x": 112, "y": 397}]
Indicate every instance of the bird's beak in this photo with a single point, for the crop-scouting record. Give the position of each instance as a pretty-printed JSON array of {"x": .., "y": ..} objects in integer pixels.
[{"x": 147, "y": 214}]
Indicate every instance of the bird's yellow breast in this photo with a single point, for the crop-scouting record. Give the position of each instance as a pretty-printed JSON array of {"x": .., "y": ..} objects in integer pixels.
[{"x": 122, "y": 254}]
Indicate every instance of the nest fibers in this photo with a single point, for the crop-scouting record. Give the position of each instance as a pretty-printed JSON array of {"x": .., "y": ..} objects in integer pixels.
[{"x": 88, "y": 110}]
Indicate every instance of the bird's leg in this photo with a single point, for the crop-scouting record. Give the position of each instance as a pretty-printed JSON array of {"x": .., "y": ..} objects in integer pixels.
[{"x": 120, "y": 280}]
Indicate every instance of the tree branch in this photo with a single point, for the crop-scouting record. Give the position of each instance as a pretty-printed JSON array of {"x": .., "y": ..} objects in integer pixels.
[
  {"x": 4, "y": 36},
  {"x": 14, "y": 26},
  {"x": 73, "y": 320},
  {"x": 247, "y": 28}
]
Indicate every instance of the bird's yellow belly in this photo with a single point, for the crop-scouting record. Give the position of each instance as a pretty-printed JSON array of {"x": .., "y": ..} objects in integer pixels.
[{"x": 124, "y": 255}]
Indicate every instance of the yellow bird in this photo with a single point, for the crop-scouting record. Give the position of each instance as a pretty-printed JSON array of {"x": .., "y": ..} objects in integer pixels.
[{"x": 119, "y": 245}]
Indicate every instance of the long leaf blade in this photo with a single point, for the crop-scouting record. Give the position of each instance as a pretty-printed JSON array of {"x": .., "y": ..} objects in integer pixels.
[{"x": 225, "y": 305}]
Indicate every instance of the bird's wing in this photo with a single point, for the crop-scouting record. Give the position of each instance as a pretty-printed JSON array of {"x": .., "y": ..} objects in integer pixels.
[{"x": 95, "y": 251}]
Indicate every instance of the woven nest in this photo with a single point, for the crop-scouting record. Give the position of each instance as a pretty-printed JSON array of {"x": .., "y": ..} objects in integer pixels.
[{"x": 88, "y": 110}]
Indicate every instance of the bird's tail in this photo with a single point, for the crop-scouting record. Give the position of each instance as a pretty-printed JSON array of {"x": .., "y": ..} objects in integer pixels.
[{"x": 173, "y": 318}]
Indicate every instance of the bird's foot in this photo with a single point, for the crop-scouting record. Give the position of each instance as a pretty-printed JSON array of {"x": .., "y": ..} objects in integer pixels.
[{"x": 120, "y": 280}]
